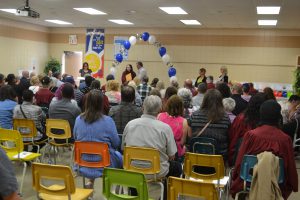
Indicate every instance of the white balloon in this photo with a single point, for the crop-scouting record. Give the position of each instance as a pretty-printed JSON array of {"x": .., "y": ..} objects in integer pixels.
[
  {"x": 166, "y": 58},
  {"x": 152, "y": 39},
  {"x": 113, "y": 70},
  {"x": 132, "y": 40}
]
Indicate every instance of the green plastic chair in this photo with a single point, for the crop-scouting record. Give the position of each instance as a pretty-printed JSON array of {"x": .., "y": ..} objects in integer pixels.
[{"x": 128, "y": 179}]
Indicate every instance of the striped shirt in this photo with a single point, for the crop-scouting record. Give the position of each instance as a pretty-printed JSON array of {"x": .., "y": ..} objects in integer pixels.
[{"x": 217, "y": 130}]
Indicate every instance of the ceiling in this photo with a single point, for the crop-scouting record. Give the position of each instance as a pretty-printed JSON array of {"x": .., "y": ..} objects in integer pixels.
[{"x": 145, "y": 13}]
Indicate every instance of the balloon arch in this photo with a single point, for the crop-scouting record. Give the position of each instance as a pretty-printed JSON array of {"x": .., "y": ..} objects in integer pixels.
[{"x": 152, "y": 41}]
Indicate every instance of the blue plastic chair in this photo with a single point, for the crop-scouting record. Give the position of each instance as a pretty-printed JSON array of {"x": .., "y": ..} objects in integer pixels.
[
  {"x": 203, "y": 145},
  {"x": 248, "y": 163}
]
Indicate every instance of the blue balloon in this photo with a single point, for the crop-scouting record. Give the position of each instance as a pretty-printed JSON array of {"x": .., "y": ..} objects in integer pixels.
[
  {"x": 127, "y": 45},
  {"x": 119, "y": 57},
  {"x": 172, "y": 71},
  {"x": 145, "y": 36},
  {"x": 162, "y": 51}
]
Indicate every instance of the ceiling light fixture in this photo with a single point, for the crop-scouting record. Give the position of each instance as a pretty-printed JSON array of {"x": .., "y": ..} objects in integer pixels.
[
  {"x": 90, "y": 11},
  {"x": 191, "y": 22},
  {"x": 268, "y": 10},
  {"x": 267, "y": 22},
  {"x": 120, "y": 21},
  {"x": 173, "y": 10},
  {"x": 55, "y": 21},
  {"x": 13, "y": 11}
]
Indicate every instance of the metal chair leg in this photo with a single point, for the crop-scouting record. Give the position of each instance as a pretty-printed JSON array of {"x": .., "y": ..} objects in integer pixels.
[{"x": 23, "y": 176}]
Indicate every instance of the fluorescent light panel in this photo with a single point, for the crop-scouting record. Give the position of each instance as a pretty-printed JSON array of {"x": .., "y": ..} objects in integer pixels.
[
  {"x": 120, "y": 21},
  {"x": 267, "y": 22},
  {"x": 268, "y": 10},
  {"x": 191, "y": 22},
  {"x": 173, "y": 10},
  {"x": 13, "y": 11},
  {"x": 90, "y": 11},
  {"x": 55, "y": 21}
]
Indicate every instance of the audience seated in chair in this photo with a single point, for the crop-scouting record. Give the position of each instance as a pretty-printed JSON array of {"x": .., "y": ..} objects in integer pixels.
[
  {"x": 127, "y": 110},
  {"x": 93, "y": 126},
  {"x": 174, "y": 118},
  {"x": 268, "y": 137},
  {"x": 29, "y": 111},
  {"x": 8, "y": 100},
  {"x": 44, "y": 96},
  {"x": 244, "y": 122},
  {"x": 212, "y": 121},
  {"x": 64, "y": 108}
]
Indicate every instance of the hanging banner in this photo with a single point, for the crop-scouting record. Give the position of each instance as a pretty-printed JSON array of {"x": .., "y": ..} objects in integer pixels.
[
  {"x": 94, "y": 51},
  {"x": 118, "y": 44}
]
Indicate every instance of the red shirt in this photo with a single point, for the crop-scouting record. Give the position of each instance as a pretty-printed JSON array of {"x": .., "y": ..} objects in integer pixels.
[
  {"x": 272, "y": 139},
  {"x": 43, "y": 96},
  {"x": 237, "y": 130}
]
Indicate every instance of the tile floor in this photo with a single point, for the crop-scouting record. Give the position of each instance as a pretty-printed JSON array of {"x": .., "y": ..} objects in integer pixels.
[{"x": 30, "y": 194}]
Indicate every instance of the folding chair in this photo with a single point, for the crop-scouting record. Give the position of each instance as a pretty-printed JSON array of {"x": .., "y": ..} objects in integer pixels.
[
  {"x": 16, "y": 152},
  {"x": 68, "y": 190},
  {"x": 51, "y": 126},
  {"x": 215, "y": 162},
  {"x": 95, "y": 149},
  {"x": 113, "y": 177},
  {"x": 179, "y": 186},
  {"x": 203, "y": 145},
  {"x": 149, "y": 159},
  {"x": 28, "y": 130}
]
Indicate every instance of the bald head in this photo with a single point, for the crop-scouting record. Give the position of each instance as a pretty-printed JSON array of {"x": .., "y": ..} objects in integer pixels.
[
  {"x": 188, "y": 83},
  {"x": 25, "y": 74}
]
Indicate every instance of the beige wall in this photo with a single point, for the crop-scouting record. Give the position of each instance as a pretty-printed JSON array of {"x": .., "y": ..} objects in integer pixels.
[
  {"x": 258, "y": 55},
  {"x": 17, "y": 54}
]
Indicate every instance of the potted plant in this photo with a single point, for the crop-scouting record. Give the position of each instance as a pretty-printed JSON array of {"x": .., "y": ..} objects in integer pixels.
[
  {"x": 296, "y": 84},
  {"x": 52, "y": 65}
]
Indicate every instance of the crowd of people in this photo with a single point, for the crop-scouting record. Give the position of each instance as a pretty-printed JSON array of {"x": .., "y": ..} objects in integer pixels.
[{"x": 164, "y": 116}]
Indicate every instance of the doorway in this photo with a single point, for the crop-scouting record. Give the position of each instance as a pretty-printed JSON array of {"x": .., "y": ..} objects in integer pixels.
[{"x": 72, "y": 63}]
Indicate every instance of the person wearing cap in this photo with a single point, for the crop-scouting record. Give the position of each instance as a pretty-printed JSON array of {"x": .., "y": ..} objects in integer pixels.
[
  {"x": 268, "y": 137},
  {"x": 77, "y": 93},
  {"x": 44, "y": 96}
]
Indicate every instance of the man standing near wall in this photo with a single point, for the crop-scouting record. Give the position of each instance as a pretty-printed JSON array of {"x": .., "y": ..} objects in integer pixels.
[{"x": 141, "y": 70}]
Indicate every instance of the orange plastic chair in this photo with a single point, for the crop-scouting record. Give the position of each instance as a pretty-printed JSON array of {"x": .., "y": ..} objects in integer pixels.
[
  {"x": 58, "y": 124},
  {"x": 68, "y": 190},
  {"x": 31, "y": 131},
  {"x": 91, "y": 148},
  {"x": 150, "y": 156},
  {"x": 179, "y": 186}
]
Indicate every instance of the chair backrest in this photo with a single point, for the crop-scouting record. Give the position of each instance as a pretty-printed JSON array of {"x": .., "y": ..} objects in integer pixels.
[
  {"x": 13, "y": 136},
  {"x": 26, "y": 127},
  {"x": 193, "y": 160},
  {"x": 179, "y": 186},
  {"x": 121, "y": 177},
  {"x": 203, "y": 145},
  {"x": 42, "y": 172},
  {"x": 92, "y": 148},
  {"x": 141, "y": 154},
  {"x": 59, "y": 124},
  {"x": 248, "y": 163}
]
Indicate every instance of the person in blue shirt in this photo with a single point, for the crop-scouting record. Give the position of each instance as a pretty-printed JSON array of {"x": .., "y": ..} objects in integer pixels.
[
  {"x": 8, "y": 98},
  {"x": 93, "y": 126}
]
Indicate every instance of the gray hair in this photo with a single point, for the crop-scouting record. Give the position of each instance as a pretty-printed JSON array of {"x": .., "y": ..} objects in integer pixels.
[
  {"x": 186, "y": 96},
  {"x": 152, "y": 105},
  {"x": 229, "y": 104}
]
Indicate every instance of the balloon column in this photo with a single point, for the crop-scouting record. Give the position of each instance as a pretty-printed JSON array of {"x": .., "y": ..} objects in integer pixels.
[{"x": 152, "y": 41}]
